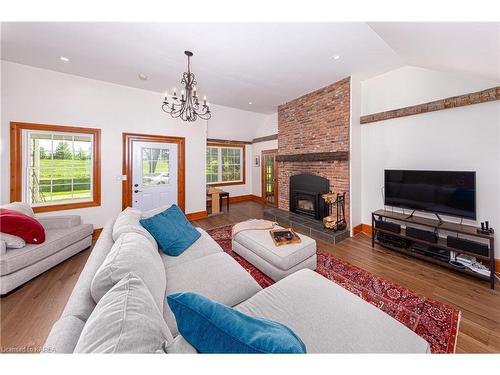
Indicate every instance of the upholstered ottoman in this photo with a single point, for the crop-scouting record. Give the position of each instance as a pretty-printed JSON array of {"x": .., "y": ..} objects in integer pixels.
[{"x": 258, "y": 248}]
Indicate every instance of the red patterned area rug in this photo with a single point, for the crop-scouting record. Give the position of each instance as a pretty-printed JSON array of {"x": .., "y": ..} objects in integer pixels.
[{"x": 434, "y": 321}]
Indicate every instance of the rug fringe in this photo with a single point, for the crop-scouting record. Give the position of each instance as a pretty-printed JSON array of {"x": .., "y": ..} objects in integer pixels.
[{"x": 458, "y": 329}]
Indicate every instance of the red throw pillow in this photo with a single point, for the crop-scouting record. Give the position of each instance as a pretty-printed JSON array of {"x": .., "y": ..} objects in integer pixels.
[{"x": 21, "y": 225}]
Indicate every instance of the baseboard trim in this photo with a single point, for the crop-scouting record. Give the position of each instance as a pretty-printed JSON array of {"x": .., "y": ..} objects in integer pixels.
[
  {"x": 362, "y": 228},
  {"x": 197, "y": 215},
  {"x": 240, "y": 198},
  {"x": 96, "y": 233},
  {"x": 256, "y": 198}
]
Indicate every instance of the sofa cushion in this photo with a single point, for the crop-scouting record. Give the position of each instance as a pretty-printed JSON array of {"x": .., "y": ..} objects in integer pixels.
[
  {"x": 18, "y": 224},
  {"x": 80, "y": 303},
  {"x": 132, "y": 252},
  {"x": 128, "y": 222},
  {"x": 179, "y": 346},
  {"x": 154, "y": 211},
  {"x": 172, "y": 230},
  {"x": 59, "y": 221},
  {"x": 283, "y": 257},
  {"x": 330, "y": 319},
  {"x": 126, "y": 320},
  {"x": 211, "y": 327},
  {"x": 217, "y": 276},
  {"x": 64, "y": 343},
  {"x": 12, "y": 242},
  {"x": 56, "y": 240},
  {"x": 22, "y": 207},
  {"x": 203, "y": 246}
]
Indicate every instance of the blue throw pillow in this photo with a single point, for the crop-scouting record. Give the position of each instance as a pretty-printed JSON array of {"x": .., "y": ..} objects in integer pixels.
[
  {"x": 172, "y": 230},
  {"x": 211, "y": 327}
]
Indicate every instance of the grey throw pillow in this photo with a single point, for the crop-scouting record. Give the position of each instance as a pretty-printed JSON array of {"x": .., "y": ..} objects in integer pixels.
[
  {"x": 126, "y": 320},
  {"x": 132, "y": 252},
  {"x": 12, "y": 242},
  {"x": 22, "y": 207}
]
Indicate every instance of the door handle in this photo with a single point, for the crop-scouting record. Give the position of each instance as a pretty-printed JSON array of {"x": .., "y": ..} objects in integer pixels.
[{"x": 137, "y": 191}]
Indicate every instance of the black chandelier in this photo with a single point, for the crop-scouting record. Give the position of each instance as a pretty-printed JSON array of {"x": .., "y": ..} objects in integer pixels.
[{"x": 187, "y": 107}]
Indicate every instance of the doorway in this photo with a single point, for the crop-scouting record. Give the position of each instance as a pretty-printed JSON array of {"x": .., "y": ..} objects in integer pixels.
[
  {"x": 154, "y": 169},
  {"x": 269, "y": 167}
]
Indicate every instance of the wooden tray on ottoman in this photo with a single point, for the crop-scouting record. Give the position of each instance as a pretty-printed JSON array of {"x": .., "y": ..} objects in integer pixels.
[{"x": 283, "y": 240}]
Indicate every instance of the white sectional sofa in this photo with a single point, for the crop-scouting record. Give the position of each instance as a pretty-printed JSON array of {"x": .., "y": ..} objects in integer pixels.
[
  {"x": 328, "y": 318},
  {"x": 65, "y": 236}
]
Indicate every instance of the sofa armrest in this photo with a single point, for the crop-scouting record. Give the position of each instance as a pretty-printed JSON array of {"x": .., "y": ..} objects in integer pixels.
[{"x": 59, "y": 222}]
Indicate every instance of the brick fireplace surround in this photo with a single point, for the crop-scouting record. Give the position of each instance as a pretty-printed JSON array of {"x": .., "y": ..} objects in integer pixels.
[{"x": 315, "y": 126}]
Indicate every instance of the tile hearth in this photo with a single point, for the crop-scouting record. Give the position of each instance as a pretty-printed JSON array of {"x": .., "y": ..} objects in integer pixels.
[{"x": 307, "y": 225}]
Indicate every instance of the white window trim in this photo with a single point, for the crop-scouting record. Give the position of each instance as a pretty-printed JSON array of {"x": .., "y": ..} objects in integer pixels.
[
  {"x": 219, "y": 165},
  {"x": 26, "y": 133}
]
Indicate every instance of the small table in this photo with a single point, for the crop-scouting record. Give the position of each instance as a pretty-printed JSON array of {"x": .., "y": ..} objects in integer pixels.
[{"x": 215, "y": 193}]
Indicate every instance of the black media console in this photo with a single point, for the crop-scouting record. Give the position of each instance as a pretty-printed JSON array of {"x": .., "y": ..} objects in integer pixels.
[{"x": 423, "y": 238}]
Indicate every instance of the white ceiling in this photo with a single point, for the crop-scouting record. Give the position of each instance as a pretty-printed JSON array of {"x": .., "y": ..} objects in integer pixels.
[
  {"x": 471, "y": 48},
  {"x": 266, "y": 64}
]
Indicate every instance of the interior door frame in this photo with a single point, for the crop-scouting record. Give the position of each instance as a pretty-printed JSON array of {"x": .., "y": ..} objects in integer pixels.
[
  {"x": 263, "y": 176},
  {"x": 127, "y": 165}
]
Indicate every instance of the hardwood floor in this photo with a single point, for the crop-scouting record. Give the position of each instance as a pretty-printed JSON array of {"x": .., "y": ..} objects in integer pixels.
[{"x": 28, "y": 313}]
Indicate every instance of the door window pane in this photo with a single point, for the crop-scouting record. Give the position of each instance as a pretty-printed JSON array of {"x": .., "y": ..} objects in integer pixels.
[{"x": 155, "y": 166}]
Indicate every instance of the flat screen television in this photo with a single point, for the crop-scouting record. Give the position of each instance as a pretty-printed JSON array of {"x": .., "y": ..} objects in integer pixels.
[{"x": 442, "y": 192}]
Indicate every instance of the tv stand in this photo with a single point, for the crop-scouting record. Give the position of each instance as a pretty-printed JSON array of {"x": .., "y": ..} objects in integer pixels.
[
  {"x": 440, "y": 221},
  {"x": 402, "y": 243},
  {"x": 411, "y": 215}
]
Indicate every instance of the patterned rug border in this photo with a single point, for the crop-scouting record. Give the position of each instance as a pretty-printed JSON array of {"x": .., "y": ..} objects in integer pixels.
[{"x": 457, "y": 314}]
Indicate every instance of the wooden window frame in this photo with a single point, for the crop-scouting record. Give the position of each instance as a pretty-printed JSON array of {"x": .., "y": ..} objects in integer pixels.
[
  {"x": 244, "y": 164},
  {"x": 16, "y": 163},
  {"x": 127, "y": 165}
]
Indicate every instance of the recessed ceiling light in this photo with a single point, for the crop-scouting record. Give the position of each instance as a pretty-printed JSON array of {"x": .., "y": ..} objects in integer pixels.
[
  {"x": 336, "y": 57},
  {"x": 250, "y": 103},
  {"x": 143, "y": 77},
  {"x": 63, "y": 58}
]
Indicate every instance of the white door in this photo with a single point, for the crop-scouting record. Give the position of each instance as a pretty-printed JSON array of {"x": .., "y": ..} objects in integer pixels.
[{"x": 154, "y": 174}]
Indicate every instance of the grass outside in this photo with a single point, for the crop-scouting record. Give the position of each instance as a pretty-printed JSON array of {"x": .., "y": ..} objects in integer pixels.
[{"x": 64, "y": 174}]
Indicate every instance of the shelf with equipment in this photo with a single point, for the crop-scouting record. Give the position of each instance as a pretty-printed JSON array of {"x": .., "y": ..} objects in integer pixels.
[{"x": 398, "y": 240}]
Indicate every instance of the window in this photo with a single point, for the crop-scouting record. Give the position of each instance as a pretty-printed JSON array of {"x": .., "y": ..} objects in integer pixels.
[
  {"x": 55, "y": 167},
  {"x": 225, "y": 164}
]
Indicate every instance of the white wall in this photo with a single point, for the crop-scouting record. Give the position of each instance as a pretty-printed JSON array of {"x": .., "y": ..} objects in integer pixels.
[
  {"x": 30, "y": 94},
  {"x": 355, "y": 177},
  {"x": 257, "y": 171},
  {"x": 269, "y": 126},
  {"x": 234, "y": 124},
  {"x": 465, "y": 138},
  {"x": 412, "y": 85}
]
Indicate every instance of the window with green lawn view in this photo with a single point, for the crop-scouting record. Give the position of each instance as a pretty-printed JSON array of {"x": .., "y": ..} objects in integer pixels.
[
  {"x": 58, "y": 167},
  {"x": 225, "y": 164}
]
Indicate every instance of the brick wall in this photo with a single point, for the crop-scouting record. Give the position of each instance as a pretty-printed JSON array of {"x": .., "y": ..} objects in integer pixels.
[{"x": 315, "y": 122}]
